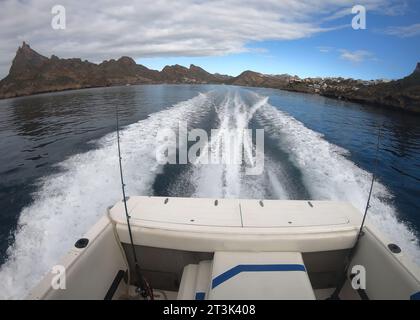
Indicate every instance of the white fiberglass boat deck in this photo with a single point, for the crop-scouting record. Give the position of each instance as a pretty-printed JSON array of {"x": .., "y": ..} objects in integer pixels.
[{"x": 232, "y": 249}]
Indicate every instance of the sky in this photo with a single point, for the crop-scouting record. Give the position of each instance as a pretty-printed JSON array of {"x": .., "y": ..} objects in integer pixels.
[{"x": 307, "y": 38}]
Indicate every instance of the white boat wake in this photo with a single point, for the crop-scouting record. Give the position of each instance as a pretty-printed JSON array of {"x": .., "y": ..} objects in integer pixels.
[{"x": 230, "y": 180}]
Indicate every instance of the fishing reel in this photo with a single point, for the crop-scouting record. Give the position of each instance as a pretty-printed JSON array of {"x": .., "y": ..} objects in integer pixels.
[{"x": 144, "y": 290}]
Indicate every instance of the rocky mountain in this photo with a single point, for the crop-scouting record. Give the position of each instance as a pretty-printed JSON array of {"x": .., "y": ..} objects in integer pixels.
[
  {"x": 32, "y": 73},
  {"x": 193, "y": 74},
  {"x": 417, "y": 70}
]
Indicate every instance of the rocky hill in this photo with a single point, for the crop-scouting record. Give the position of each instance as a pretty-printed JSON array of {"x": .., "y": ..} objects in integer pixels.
[
  {"x": 255, "y": 79},
  {"x": 32, "y": 73},
  {"x": 401, "y": 94}
]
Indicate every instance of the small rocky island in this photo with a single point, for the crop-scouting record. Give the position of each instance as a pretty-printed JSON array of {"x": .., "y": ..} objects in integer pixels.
[{"x": 33, "y": 73}]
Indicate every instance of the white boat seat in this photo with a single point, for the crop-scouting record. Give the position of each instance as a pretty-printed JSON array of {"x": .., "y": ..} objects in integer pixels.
[
  {"x": 195, "y": 281},
  {"x": 260, "y": 275},
  {"x": 188, "y": 283},
  {"x": 202, "y": 284}
]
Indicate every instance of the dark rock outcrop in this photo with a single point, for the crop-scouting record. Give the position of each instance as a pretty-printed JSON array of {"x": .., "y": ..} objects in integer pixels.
[
  {"x": 401, "y": 94},
  {"x": 255, "y": 79},
  {"x": 32, "y": 73},
  {"x": 417, "y": 70},
  {"x": 193, "y": 74}
]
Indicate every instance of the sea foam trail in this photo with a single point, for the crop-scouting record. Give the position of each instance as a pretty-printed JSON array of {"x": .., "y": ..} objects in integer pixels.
[
  {"x": 230, "y": 180},
  {"x": 70, "y": 202},
  {"x": 329, "y": 175}
]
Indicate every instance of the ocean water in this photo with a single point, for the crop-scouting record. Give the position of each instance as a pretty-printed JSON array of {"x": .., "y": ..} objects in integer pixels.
[{"x": 59, "y": 162}]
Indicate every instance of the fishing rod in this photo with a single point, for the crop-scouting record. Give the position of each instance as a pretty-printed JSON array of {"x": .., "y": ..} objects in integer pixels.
[
  {"x": 142, "y": 284},
  {"x": 342, "y": 281}
]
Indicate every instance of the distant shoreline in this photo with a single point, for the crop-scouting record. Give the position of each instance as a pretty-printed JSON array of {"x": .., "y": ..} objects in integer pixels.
[{"x": 370, "y": 104}]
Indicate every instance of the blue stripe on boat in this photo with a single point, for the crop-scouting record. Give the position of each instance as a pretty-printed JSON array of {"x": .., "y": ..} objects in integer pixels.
[
  {"x": 200, "y": 295},
  {"x": 415, "y": 296},
  {"x": 255, "y": 268}
]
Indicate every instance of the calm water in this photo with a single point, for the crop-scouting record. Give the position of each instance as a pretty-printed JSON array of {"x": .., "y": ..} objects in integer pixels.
[{"x": 59, "y": 169}]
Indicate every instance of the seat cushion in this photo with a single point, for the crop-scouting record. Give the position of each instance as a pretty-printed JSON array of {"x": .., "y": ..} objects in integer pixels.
[
  {"x": 202, "y": 285},
  {"x": 188, "y": 283},
  {"x": 260, "y": 275}
]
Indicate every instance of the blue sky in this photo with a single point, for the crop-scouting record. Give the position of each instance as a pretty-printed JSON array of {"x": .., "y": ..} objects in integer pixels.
[
  {"x": 302, "y": 37},
  {"x": 386, "y": 51}
]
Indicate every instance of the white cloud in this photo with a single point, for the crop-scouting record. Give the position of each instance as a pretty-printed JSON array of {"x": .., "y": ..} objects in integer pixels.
[
  {"x": 404, "y": 31},
  {"x": 356, "y": 56},
  {"x": 103, "y": 29},
  {"x": 324, "y": 49}
]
